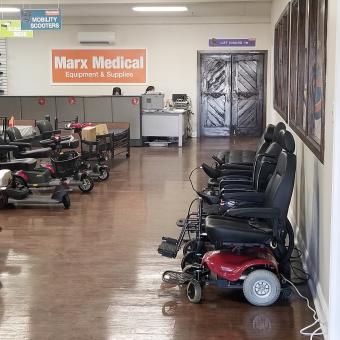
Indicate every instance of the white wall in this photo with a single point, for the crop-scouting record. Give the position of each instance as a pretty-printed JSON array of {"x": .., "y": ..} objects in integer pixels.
[
  {"x": 311, "y": 205},
  {"x": 172, "y": 55}
]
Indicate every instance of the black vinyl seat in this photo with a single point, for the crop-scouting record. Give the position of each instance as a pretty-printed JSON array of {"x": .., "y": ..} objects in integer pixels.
[
  {"x": 269, "y": 137},
  {"x": 24, "y": 150},
  {"x": 248, "y": 156},
  {"x": 272, "y": 213},
  {"x": 47, "y": 133},
  {"x": 221, "y": 229}
]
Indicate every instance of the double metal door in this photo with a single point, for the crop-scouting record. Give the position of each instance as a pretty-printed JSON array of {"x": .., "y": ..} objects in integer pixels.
[{"x": 231, "y": 94}]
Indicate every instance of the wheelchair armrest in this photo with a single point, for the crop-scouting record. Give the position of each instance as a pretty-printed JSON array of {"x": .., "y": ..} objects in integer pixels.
[
  {"x": 256, "y": 212},
  {"x": 8, "y": 148},
  {"x": 21, "y": 145},
  {"x": 235, "y": 181},
  {"x": 256, "y": 197},
  {"x": 55, "y": 132},
  {"x": 209, "y": 199},
  {"x": 236, "y": 189},
  {"x": 237, "y": 167}
]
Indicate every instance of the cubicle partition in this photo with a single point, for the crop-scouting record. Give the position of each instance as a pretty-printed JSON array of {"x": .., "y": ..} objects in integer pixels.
[{"x": 86, "y": 108}]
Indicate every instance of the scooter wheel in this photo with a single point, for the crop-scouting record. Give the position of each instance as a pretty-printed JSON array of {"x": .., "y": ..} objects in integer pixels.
[
  {"x": 3, "y": 200},
  {"x": 261, "y": 288},
  {"x": 66, "y": 201},
  {"x": 104, "y": 174},
  {"x": 190, "y": 246},
  {"x": 87, "y": 183},
  {"x": 194, "y": 291}
]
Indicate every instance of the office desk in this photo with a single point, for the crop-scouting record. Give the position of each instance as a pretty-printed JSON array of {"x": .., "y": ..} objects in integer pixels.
[{"x": 164, "y": 123}]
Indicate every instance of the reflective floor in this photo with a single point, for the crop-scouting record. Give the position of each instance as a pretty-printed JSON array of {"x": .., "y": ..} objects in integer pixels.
[{"x": 93, "y": 272}]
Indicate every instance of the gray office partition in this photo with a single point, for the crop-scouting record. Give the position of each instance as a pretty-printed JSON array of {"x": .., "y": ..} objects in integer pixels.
[
  {"x": 89, "y": 108},
  {"x": 68, "y": 108},
  {"x": 10, "y": 106},
  {"x": 128, "y": 109},
  {"x": 38, "y": 107},
  {"x": 98, "y": 109}
]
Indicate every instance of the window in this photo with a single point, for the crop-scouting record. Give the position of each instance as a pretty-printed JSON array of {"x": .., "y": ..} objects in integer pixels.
[
  {"x": 281, "y": 64},
  {"x": 307, "y": 71}
]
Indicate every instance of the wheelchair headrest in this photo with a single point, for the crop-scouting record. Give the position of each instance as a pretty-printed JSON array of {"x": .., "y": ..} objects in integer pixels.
[
  {"x": 286, "y": 141},
  {"x": 279, "y": 127},
  {"x": 269, "y": 133}
]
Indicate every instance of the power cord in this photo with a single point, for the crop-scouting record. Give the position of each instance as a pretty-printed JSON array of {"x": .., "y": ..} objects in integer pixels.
[
  {"x": 317, "y": 331},
  {"x": 192, "y": 185}
]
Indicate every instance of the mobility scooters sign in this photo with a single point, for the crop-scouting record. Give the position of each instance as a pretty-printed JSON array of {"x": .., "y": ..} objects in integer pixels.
[
  {"x": 98, "y": 66},
  {"x": 40, "y": 19}
]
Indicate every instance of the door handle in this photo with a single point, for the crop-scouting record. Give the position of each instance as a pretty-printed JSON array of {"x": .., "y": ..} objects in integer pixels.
[
  {"x": 214, "y": 95},
  {"x": 245, "y": 95}
]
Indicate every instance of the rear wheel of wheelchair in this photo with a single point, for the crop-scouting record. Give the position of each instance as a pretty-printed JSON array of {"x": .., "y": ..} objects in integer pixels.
[
  {"x": 3, "y": 200},
  {"x": 189, "y": 259},
  {"x": 87, "y": 183},
  {"x": 104, "y": 173},
  {"x": 190, "y": 246},
  {"x": 194, "y": 291},
  {"x": 261, "y": 287}
]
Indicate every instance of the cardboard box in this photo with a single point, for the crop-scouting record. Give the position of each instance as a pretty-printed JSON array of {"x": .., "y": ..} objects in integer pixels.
[
  {"x": 89, "y": 133},
  {"x": 101, "y": 129}
]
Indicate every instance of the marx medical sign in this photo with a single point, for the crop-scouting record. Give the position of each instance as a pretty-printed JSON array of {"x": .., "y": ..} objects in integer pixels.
[
  {"x": 98, "y": 66},
  {"x": 40, "y": 19}
]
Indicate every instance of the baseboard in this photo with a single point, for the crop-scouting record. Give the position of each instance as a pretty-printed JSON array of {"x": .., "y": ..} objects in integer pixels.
[{"x": 320, "y": 303}]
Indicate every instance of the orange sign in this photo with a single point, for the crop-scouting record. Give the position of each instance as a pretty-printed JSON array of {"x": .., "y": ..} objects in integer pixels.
[{"x": 99, "y": 66}]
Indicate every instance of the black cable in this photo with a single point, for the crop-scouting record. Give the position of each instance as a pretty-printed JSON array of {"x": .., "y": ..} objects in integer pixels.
[
  {"x": 191, "y": 180},
  {"x": 192, "y": 202}
]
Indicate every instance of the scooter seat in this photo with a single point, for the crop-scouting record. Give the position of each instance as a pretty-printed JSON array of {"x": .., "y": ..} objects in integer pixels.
[
  {"x": 222, "y": 229},
  {"x": 19, "y": 164},
  {"x": 34, "y": 153},
  {"x": 237, "y": 156}
]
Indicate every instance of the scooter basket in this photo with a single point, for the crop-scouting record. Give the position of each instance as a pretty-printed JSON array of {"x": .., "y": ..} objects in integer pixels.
[{"x": 66, "y": 164}]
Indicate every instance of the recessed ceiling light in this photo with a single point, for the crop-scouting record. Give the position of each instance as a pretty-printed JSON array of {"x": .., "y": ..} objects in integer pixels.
[
  {"x": 9, "y": 10},
  {"x": 160, "y": 9}
]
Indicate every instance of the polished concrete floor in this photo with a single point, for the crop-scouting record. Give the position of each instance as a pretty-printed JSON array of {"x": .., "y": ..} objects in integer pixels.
[{"x": 93, "y": 272}]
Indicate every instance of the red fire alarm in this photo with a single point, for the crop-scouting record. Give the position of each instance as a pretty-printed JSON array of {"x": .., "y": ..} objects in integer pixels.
[
  {"x": 71, "y": 100},
  {"x": 135, "y": 101},
  {"x": 41, "y": 100}
]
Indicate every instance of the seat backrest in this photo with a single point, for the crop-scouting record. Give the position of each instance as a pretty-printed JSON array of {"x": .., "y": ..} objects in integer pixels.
[
  {"x": 266, "y": 139},
  {"x": 45, "y": 128},
  {"x": 264, "y": 166},
  {"x": 13, "y": 134},
  {"x": 280, "y": 187}
]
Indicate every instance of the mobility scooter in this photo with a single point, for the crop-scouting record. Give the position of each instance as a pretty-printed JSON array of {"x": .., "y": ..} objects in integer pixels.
[{"x": 248, "y": 248}]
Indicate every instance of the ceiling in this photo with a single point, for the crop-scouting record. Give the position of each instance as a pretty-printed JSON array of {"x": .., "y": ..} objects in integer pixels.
[{"x": 120, "y": 8}]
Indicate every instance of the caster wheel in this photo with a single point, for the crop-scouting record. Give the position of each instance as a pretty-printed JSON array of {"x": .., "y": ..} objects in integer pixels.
[
  {"x": 194, "y": 291},
  {"x": 66, "y": 202},
  {"x": 87, "y": 183},
  {"x": 261, "y": 288},
  {"x": 190, "y": 246},
  {"x": 104, "y": 174}
]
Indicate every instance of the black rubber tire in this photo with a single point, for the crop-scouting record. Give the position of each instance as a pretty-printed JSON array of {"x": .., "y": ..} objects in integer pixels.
[
  {"x": 66, "y": 201},
  {"x": 261, "y": 287},
  {"x": 19, "y": 182},
  {"x": 3, "y": 199},
  {"x": 190, "y": 246},
  {"x": 104, "y": 173},
  {"x": 194, "y": 291},
  {"x": 189, "y": 259},
  {"x": 89, "y": 181}
]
